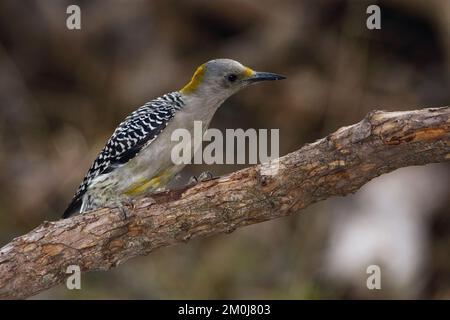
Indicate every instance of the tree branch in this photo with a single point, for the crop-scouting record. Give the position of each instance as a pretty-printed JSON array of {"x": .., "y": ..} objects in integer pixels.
[{"x": 333, "y": 166}]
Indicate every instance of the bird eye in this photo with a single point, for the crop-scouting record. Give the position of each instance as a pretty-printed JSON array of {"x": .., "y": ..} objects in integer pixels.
[{"x": 232, "y": 77}]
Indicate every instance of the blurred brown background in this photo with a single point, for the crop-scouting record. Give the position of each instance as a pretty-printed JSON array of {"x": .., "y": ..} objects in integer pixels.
[{"x": 63, "y": 92}]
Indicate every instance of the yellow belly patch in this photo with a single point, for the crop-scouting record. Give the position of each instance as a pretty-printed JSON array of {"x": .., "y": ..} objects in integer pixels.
[{"x": 146, "y": 184}]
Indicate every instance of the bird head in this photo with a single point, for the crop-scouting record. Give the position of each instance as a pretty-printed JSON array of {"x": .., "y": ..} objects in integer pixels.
[{"x": 224, "y": 77}]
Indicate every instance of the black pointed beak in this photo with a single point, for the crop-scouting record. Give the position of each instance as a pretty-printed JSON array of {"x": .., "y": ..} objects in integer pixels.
[{"x": 264, "y": 76}]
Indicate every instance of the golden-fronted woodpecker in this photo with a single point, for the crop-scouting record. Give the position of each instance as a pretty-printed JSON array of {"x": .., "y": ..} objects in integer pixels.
[{"x": 137, "y": 157}]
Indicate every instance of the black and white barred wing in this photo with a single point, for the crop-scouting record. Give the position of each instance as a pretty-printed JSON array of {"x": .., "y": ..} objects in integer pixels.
[{"x": 138, "y": 130}]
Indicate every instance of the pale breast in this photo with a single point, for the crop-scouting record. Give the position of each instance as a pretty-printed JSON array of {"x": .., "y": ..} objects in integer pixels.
[{"x": 155, "y": 159}]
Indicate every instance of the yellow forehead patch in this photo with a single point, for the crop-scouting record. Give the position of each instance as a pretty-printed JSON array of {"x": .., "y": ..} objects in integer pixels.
[
  {"x": 197, "y": 78},
  {"x": 248, "y": 72}
]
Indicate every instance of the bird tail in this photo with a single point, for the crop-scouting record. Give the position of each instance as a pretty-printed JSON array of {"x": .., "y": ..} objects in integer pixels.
[{"x": 73, "y": 208}]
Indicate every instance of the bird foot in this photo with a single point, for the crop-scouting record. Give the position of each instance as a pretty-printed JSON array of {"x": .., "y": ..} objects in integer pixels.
[
  {"x": 204, "y": 176},
  {"x": 123, "y": 207}
]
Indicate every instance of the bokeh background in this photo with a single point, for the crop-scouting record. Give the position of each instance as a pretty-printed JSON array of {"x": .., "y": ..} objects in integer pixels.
[{"x": 63, "y": 92}]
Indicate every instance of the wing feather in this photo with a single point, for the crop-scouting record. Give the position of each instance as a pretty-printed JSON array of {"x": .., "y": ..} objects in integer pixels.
[{"x": 139, "y": 129}]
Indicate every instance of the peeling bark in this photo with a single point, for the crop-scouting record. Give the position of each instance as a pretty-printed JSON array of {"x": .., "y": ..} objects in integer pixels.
[{"x": 336, "y": 165}]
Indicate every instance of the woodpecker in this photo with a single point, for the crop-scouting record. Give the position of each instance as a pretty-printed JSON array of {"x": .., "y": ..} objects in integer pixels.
[{"x": 137, "y": 157}]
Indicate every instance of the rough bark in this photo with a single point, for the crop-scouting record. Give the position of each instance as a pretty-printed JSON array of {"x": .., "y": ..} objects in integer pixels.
[{"x": 336, "y": 165}]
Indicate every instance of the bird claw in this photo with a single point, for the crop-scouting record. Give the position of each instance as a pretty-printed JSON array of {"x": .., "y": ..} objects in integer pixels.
[
  {"x": 124, "y": 212},
  {"x": 204, "y": 176},
  {"x": 192, "y": 181}
]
